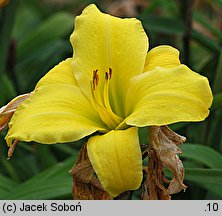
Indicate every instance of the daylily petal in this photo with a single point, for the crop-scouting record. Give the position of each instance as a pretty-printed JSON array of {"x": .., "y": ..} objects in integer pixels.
[
  {"x": 60, "y": 74},
  {"x": 164, "y": 96},
  {"x": 103, "y": 42},
  {"x": 117, "y": 160},
  {"x": 7, "y": 111},
  {"x": 162, "y": 56},
  {"x": 54, "y": 114}
]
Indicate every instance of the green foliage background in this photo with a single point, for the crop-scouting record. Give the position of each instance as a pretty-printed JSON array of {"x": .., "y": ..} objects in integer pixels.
[{"x": 34, "y": 37}]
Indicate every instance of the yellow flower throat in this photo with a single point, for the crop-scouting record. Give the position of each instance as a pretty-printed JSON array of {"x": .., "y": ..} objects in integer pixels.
[{"x": 101, "y": 97}]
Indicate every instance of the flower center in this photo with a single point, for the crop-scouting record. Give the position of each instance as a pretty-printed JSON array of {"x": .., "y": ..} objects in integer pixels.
[{"x": 100, "y": 93}]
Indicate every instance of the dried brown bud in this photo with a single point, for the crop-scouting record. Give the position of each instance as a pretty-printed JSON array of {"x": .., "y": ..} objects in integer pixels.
[{"x": 85, "y": 184}]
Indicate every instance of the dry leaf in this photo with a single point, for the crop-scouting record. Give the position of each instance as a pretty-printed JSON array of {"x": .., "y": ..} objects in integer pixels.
[
  {"x": 163, "y": 152},
  {"x": 153, "y": 187},
  {"x": 165, "y": 143}
]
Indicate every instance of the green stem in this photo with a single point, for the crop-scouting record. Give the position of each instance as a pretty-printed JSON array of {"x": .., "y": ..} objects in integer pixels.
[
  {"x": 186, "y": 11},
  {"x": 218, "y": 76}
]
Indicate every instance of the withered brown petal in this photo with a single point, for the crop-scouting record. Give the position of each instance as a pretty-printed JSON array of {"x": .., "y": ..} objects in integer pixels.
[
  {"x": 12, "y": 148},
  {"x": 7, "y": 111}
]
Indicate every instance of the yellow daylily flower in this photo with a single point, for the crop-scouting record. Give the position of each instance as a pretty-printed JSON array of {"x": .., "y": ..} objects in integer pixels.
[{"x": 111, "y": 86}]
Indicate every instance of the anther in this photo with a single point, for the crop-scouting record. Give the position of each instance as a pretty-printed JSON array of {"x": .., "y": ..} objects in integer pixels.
[
  {"x": 110, "y": 73},
  {"x": 95, "y": 79}
]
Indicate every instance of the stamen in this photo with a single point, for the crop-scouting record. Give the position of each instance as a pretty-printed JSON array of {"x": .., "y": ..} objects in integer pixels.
[
  {"x": 115, "y": 118},
  {"x": 106, "y": 76},
  {"x": 102, "y": 100}
]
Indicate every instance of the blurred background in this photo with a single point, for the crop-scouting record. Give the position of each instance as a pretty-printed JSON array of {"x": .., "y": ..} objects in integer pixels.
[{"x": 34, "y": 36}]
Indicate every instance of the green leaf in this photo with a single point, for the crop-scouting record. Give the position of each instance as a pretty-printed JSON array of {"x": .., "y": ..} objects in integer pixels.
[
  {"x": 31, "y": 69},
  {"x": 204, "y": 154},
  {"x": 23, "y": 26},
  {"x": 143, "y": 135},
  {"x": 216, "y": 188},
  {"x": 163, "y": 25},
  {"x": 6, "y": 184},
  {"x": 205, "y": 41},
  {"x": 7, "y": 89},
  {"x": 168, "y": 8},
  {"x": 217, "y": 102},
  {"x": 53, "y": 183},
  {"x": 177, "y": 126},
  {"x": 210, "y": 179},
  {"x": 198, "y": 17},
  {"x": 208, "y": 176},
  {"x": 55, "y": 27},
  {"x": 45, "y": 156},
  {"x": 52, "y": 189},
  {"x": 176, "y": 27},
  {"x": 12, "y": 172},
  {"x": 67, "y": 149}
]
